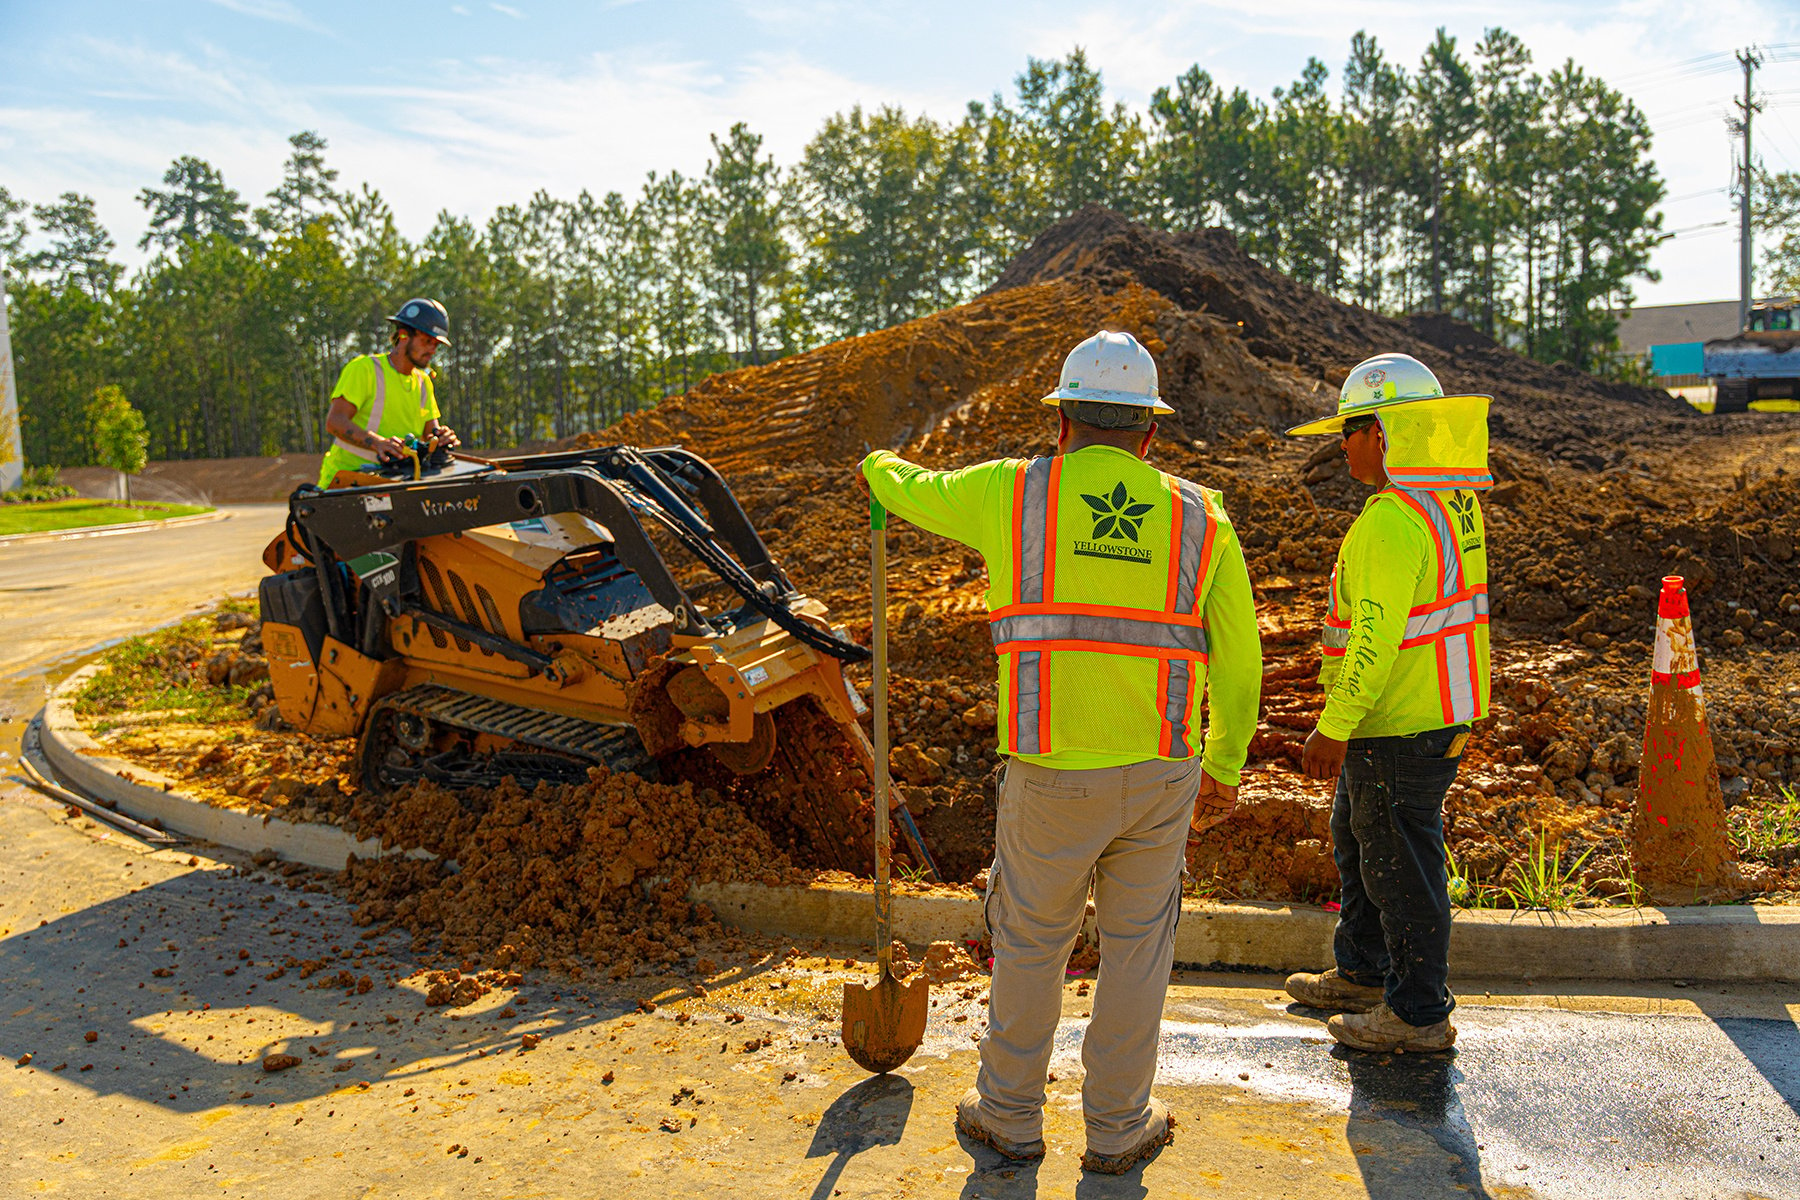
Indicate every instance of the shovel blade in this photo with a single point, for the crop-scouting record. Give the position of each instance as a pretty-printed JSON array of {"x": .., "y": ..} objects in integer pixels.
[{"x": 884, "y": 1022}]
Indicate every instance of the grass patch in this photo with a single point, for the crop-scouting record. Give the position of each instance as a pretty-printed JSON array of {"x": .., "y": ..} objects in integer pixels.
[
  {"x": 1543, "y": 881},
  {"x": 164, "y": 671},
  {"x": 1760, "y": 832},
  {"x": 1464, "y": 885},
  {"x": 51, "y": 515}
]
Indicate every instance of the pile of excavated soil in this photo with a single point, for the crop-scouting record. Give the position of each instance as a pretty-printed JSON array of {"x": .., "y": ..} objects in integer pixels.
[
  {"x": 1277, "y": 322},
  {"x": 593, "y": 874}
]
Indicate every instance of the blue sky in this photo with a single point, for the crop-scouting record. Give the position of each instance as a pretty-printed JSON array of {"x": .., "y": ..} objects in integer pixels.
[{"x": 470, "y": 105}]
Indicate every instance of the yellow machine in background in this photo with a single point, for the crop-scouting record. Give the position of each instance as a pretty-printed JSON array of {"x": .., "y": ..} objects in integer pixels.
[{"x": 474, "y": 620}]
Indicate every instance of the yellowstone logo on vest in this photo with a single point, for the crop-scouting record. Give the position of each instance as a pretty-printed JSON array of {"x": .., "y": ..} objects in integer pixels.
[
  {"x": 1117, "y": 517},
  {"x": 1462, "y": 506}
]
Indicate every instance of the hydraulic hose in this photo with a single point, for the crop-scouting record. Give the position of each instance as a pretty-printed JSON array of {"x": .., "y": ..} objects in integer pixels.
[{"x": 727, "y": 569}]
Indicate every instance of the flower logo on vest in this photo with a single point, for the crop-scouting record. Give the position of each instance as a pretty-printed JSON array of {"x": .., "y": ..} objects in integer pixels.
[
  {"x": 1116, "y": 515},
  {"x": 1463, "y": 505}
]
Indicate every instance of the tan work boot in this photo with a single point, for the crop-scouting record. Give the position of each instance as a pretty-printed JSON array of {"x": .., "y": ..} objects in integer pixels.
[
  {"x": 1381, "y": 1029},
  {"x": 1332, "y": 992},
  {"x": 1158, "y": 1133},
  {"x": 969, "y": 1124}
]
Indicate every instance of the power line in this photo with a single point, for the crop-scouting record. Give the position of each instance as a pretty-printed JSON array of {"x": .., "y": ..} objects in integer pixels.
[
  {"x": 1696, "y": 228},
  {"x": 1700, "y": 65},
  {"x": 1711, "y": 191}
]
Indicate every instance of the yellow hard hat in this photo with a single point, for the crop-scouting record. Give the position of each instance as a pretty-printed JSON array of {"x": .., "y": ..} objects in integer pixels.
[{"x": 1384, "y": 381}]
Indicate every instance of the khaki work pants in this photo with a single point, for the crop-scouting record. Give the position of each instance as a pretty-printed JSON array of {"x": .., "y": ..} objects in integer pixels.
[{"x": 1124, "y": 830}]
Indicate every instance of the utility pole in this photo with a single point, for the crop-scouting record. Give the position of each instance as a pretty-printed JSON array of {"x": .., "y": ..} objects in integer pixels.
[
  {"x": 1750, "y": 60},
  {"x": 12, "y": 453}
]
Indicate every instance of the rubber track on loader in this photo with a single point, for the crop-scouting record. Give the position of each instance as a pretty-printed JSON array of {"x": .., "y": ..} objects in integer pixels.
[{"x": 617, "y": 747}]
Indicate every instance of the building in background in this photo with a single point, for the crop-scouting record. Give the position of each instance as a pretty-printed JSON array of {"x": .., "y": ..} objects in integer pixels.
[{"x": 1676, "y": 324}]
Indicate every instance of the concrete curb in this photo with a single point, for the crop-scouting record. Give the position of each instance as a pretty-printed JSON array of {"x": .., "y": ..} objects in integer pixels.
[
  {"x": 149, "y": 796},
  {"x": 93, "y": 531},
  {"x": 1736, "y": 942}
]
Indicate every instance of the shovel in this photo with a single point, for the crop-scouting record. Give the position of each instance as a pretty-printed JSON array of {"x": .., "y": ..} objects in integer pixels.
[{"x": 884, "y": 1022}]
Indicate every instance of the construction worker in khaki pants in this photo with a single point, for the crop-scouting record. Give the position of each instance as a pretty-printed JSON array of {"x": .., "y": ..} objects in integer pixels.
[
  {"x": 1115, "y": 593},
  {"x": 1404, "y": 663}
]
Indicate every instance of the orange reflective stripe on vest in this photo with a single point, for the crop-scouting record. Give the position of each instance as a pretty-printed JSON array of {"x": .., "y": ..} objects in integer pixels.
[
  {"x": 1027, "y": 632},
  {"x": 1450, "y": 621}
]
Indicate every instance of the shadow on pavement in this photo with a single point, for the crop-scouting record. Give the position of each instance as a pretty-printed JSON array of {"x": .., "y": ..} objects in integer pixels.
[
  {"x": 156, "y": 976},
  {"x": 1416, "y": 1092},
  {"x": 873, "y": 1113},
  {"x": 1770, "y": 1045}
]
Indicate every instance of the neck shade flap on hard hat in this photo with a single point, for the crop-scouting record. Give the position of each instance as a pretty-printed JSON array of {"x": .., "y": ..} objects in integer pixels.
[{"x": 1439, "y": 444}]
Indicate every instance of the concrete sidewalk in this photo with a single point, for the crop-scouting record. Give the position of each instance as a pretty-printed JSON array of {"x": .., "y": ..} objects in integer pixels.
[{"x": 742, "y": 1091}]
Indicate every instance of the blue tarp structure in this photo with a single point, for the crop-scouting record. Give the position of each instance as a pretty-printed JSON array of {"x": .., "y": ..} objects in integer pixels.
[{"x": 1681, "y": 358}]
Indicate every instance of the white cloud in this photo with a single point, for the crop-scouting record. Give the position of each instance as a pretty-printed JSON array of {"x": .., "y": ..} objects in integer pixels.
[
  {"x": 507, "y": 10},
  {"x": 502, "y": 127},
  {"x": 279, "y": 11}
]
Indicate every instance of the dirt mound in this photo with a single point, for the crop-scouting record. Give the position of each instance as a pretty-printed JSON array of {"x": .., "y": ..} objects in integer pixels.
[
  {"x": 530, "y": 877},
  {"x": 204, "y": 480},
  {"x": 1554, "y": 409}
]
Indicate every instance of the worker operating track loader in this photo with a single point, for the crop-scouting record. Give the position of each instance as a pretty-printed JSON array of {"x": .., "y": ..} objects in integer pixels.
[{"x": 474, "y": 619}]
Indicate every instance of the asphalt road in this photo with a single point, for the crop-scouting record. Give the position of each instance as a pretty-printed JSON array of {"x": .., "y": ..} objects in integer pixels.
[
  {"x": 59, "y": 598},
  {"x": 186, "y": 967}
]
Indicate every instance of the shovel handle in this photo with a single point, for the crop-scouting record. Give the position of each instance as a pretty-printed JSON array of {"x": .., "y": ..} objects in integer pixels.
[{"x": 884, "y": 951}]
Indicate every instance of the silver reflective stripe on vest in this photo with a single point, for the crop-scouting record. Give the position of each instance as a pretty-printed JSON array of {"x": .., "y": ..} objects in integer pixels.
[
  {"x": 1175, "y": 706},
  {"x": 1463, "y": 612},
  {"x": 1446, "y": 539},
  {"x": 1334, "y": 638},
  {"x": 1032, "y": 550},
  {"x": 1152, "y": 633},
  {"x": 375, "y": 411},
  {"x": 1459, "y": 677},
  {"x": 1025, "y": 702},
  {"x": 1193, "y": 544}
]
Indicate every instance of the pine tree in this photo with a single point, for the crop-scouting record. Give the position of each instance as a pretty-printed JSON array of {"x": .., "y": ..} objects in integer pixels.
[
  {"x": 743, "y": 200},
  {"x": 305, "y": 193},
  {"x": 196, "y": 205},
  {"x": 1444, "y": 113},
  {"x": 79, "y": 247}
]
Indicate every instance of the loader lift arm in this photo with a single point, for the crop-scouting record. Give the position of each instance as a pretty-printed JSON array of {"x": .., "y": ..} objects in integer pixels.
[{"x": 614, "y": 486}]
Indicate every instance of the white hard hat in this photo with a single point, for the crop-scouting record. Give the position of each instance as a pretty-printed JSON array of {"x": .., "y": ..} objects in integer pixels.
[
  {"x": 1110, "y": 368},
  {"x": 1375, "y": 383}
]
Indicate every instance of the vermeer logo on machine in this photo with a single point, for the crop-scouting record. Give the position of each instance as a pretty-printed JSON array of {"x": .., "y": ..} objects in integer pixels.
[
  {"x": 438, "y": 508},
  {"x": 1117, "y": 518}
]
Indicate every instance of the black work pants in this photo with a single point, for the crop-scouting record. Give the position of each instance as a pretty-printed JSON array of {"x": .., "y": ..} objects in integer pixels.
[{"x": 1387, "y": 834}]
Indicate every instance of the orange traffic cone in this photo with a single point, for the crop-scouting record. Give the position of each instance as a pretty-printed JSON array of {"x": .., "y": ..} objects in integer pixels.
[{"x": 1679, "y": 846}]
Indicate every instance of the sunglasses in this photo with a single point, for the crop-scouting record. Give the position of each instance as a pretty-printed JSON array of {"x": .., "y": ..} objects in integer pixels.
[{"x": 1352, "y": 428}]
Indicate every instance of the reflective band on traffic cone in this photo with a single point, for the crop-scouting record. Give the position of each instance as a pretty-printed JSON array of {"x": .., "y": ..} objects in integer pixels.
[{"x": 1678, "y": 837}]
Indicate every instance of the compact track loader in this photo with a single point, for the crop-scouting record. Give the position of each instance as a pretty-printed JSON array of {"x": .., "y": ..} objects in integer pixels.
[{"x": 473, "y": 619}]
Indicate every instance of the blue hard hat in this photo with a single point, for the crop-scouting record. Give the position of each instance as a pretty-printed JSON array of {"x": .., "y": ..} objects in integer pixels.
[{"x": 426, "y": 316}]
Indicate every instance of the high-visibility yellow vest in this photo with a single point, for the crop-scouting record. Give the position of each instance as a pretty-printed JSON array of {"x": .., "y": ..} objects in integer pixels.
[
  {"x": 1446, "y": 634},
  {"x": 1103, "y": 644},
  {"x": 379, "y": 417}
]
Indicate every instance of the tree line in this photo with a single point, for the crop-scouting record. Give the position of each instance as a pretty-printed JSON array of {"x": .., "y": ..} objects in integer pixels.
[{"x": 1472, "y": 184}]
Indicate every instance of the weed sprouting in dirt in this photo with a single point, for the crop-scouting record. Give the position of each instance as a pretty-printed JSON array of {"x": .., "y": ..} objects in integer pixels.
[
  {"x": 1542, "y": 880},
  {"x": 1465, "y": 885},
  {"x": 1766, "y": 831},
  {"x": 165, "y": 671}
]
